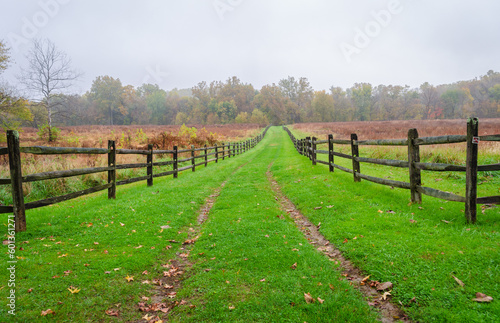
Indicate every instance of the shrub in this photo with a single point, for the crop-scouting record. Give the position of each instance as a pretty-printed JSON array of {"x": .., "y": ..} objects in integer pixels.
[{"x": 48, "y": 134}]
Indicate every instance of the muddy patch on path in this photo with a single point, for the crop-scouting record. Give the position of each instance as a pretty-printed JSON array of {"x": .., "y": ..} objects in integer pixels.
[{"x": 376, "y": 293}]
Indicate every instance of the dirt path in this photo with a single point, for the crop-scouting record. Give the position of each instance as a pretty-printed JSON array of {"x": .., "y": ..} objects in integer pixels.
[
  {"x": 166, "y": 286},
  {"x": 389, "y": 311}
]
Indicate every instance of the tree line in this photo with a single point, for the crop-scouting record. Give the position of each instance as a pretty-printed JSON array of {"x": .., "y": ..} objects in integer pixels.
[{"x": 291, "y": 100}]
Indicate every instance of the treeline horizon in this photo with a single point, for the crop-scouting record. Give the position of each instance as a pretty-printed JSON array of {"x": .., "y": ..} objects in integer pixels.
[
  {"x": 109, "y": 102},
  {"x": 49, "y": 76}
]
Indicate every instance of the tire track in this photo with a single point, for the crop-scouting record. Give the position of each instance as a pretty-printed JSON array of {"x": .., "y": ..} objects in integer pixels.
[
  {"x": 388, "y": 311},
  {"x": 166, "y": 287}
]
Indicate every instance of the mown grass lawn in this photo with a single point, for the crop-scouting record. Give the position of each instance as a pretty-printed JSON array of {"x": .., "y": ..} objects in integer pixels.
[
  {"x": 409, "y": 245},
  {"x": 93, "y": 244},
  {"x": 242, "y": 260}
]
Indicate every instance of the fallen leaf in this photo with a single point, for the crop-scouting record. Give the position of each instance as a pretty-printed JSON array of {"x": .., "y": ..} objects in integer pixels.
[
  {"x": 447, "y": 222},
  {"x": 112, "y": 313},
  {"x": 47, "y": 312},
  {"x": 309, "y": 299},
  {"x": 380, "y": 211},
  {"x": 345, "y": 241},
  {"x": 318, "y": 208},
  {"x": 145, "y": 272},
  {"x": 129, "y": 278},
  {"x": 332, "y": 287},
  {"x": 384, "y": 297},
  {"x": 73, "y": 290},
  {"x": 461, "y": 283},
  {"x": 30, "y": 290},
  {"x": 482, "y": 298},
  {"x": 390, "y": 211},
  {"x": 263, "y": 280},
  {"x": 147, "y": 317},
  {"x": 293, "y": 266},
  {"x": 321, "y": 301},
  {"x": 122, "y": 224},
  {"x": 231, "y": 307},
  {"x": 363, "y": 281},
  {"x": 384, "y": 286}
]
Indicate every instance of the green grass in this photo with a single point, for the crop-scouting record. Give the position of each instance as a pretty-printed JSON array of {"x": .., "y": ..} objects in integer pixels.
[
  {"x": 62, "y": 238},
  {"x": 419, "y": 258},
  {"x": 245, "y": 241}
]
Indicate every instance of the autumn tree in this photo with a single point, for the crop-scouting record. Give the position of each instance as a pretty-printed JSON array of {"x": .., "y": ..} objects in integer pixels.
[
  {"x": 106, "y": 94},
  {"x": 13, "y": 108},
  {"x": 323, "y": 107},
  {"x": 361, "y": 95},
  {"x": 48, "y": 74}
]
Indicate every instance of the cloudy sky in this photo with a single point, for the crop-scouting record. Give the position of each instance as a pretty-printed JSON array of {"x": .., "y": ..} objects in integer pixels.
[{"x": 331, "y": 42}]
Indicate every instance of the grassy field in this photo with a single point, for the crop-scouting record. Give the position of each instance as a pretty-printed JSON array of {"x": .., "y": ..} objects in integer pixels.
[
  {"x": 126, "y": 137},
  {"x": 241, "y": 267}
]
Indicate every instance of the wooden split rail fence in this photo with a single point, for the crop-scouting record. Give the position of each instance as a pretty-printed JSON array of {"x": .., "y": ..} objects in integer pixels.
[
  {"x": 197, "y": 157},
  {"x": 308, "y": 147}
]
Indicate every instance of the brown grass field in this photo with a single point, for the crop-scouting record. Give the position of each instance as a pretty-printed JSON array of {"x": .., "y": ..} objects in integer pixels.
[
  {"x": 489, "y": 152},
  {"x": 396, "y": 129},
  {"x": 138, "y": 137},
  {"x": 127, "y": 137}
]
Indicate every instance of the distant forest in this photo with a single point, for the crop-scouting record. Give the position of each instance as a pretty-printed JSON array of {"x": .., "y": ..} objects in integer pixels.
[{"x": 109, "y": 102}]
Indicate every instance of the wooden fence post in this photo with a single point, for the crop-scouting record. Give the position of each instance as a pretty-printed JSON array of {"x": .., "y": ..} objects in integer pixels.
[
  {"x": 313, "y": 152},
  {"x": 16, "y": 179},
  {"x": 229, "y": 150},
  {"x": 414, "y": 157},
  {"x": 355, "y": 153},
  {"x": 308, "y": 147},
  {"x": 150, "y": 165},
  {"x": 471, "y": 170},
  {"x": 206, "y": 157},
  {"x": 112, "y": 173},
  {"x": 223, "y": 151},
  {"x": 175, "y": 157},
  {"x": 330, "y": 153},
  {"x": 193, "y": 160},
  {"x": 216, "y": 154}
]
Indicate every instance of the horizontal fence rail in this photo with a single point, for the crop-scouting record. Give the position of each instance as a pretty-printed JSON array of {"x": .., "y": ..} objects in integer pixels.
[
  {"x": 191, "y": 156},
  {"x": 308, "y": 147}
]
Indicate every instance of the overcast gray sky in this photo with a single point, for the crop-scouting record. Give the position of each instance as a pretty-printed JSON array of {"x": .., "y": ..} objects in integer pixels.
[{"x": 331, "y": 42}]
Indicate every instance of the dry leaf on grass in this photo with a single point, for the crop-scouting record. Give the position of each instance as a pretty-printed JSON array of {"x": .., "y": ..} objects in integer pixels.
[
  {"x": 384, "y": 297},
  {"x": 320, "y": 300},
  {"x": 112, "y": 313},
  {"x": 384, "y": 286},
  {"x": 461, "y": 283},
  {"x": 73, "y": 290},
  {"x": 482, "y": 298},
  {"x": 309, "y": 299},
  {"x": 129, "y": 278},
  {"x": 293, "y": 266},
  {"x": 47, "y": 312}
]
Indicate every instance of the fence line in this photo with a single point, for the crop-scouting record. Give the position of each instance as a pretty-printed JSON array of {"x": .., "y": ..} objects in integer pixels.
[
  {"x": 16, "y": 179},
  {"x": 308, "y": 147}
]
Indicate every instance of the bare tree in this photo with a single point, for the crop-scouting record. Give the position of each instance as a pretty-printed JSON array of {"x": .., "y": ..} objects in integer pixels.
[{"x": 47, "y": 76}]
